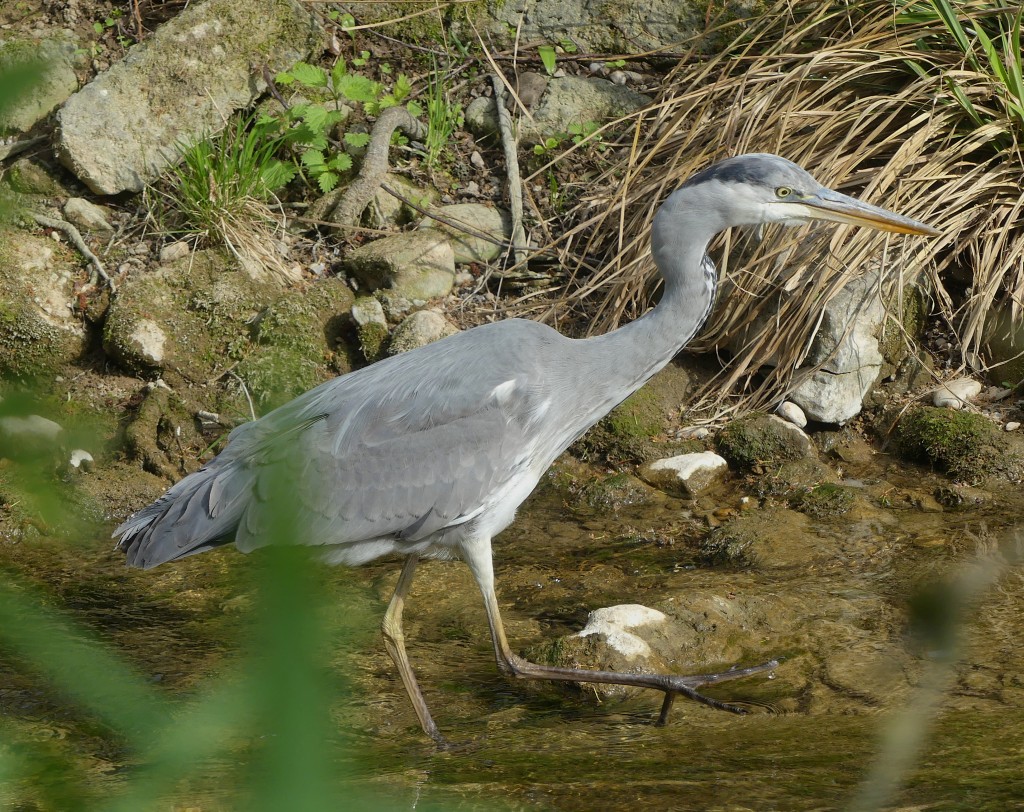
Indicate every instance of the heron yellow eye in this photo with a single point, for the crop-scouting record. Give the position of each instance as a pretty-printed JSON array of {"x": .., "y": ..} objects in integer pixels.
[{"x": 783, "y": 191}]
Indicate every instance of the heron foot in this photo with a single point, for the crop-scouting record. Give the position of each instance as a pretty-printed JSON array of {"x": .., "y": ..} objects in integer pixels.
[{"x": 671, "y": 684}]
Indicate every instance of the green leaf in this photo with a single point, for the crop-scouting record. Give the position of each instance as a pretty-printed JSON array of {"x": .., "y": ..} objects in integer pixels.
[
  {"x": 277, "y": 174},
  {"x": 342, "y": 162},
  {"x": 415, "y": 108},
  {"x": 314, "y": 159},
  {"x": 402, "y": 88},
  {"x": 357, "y": 139},
  {"x": 337, "y": 72},
  {"x": 326, "y": 181},
  {"x": 547, "y": 56},
  {"x": 309, "y": 75},
  {"x": 357, "y": 88}
]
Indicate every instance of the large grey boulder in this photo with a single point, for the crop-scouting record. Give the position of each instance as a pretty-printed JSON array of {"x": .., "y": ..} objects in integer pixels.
[
  {"x": 573, "y": 100},
  {"x": 129, "y": 124},
  {"x": 606, "y": 26}
]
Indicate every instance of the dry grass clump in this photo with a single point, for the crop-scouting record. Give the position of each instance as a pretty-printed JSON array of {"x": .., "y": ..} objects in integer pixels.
[{"x": 891, "y": 105}]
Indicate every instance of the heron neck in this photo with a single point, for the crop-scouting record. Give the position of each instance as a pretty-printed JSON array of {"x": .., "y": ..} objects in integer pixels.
[{"x": 633, "y": 353}]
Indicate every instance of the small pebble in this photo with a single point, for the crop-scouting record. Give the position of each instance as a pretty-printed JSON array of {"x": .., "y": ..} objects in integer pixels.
[
  {"x": 81, "y": 459},
  {"x": 1013, "y": 425},
  {"x": 794, "y": 414},
  {"x": 694, "y": 433},
  {"x": 476, "y": 159}
]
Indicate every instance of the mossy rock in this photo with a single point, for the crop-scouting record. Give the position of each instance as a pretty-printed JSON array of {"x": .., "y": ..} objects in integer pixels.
[
  {"x": 826, "y": 501},
  {"x": 625, "y": 435},
  {"x": 967, "y": 446},
  {"x": 757, "y": 440},
  {"x": 38, "y": 334},
  {"x": 193, "y": 316},
  {"x": 297, "y": 338},
  {"x": 764, "y": 539}
]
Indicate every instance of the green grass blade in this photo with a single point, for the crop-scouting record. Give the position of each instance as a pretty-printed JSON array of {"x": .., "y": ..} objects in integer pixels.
[{"x": 80, "y": 667}]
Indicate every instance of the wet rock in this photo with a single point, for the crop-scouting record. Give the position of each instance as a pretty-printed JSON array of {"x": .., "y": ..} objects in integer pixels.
[
  {"x": 573, "y": 100},
  {"x": 418, "y": 265},
  {"x": 87, "y": 216},
  {"x": 616, "y": 625},
  {"x": 760, "y": 439},
  {"x": 421, "y": 328},
  {"x": 56, "y": 81},
  {"x": 131, "y": 122},
  {"x": 956, "y": 394},
  {"x": 827, "y": 501},
  {"x": 39, "y": 329},
  {"x": 968, "y": 447},
  {"x": 689, "y": 474},
  {"x": 766, "y": 539},
  {"x": 478, "y": 233}
]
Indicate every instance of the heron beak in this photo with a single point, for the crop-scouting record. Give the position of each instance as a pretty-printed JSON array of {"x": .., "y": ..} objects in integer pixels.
[{"x": 838, "y": 208}]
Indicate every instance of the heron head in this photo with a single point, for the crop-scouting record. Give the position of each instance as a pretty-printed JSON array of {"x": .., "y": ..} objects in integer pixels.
[{"x": 761, "y": 188}]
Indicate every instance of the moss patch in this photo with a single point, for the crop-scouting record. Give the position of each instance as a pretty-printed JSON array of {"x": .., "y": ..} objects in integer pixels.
[
  {"x": 758, "y": 439},
  {"x": 966, "y": 446},
  {"x": 824, "y": 501},
  {"x": 624, "y": 436}
]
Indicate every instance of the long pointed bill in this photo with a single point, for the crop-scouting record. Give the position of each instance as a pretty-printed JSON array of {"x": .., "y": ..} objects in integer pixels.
[{"x": 838, "y": 208}]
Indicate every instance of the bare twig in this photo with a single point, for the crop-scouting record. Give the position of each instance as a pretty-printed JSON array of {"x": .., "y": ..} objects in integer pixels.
[{"x": 515, "y": 186}]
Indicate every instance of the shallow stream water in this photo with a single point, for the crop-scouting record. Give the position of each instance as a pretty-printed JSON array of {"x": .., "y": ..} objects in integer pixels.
[{"x": 830, "y": 596}]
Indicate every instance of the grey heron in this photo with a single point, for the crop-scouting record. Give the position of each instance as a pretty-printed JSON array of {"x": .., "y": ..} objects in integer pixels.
[{"x": 430, "y": 453}]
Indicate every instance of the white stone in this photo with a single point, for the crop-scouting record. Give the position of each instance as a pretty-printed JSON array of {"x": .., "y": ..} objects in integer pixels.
[
  {"x": 794, "y": 414},
  {"x": 694, "y": 433},
  {"x": 1013, "y": 425},
  {"x": 150, "y": 341},
  {"x": 690, "y": 473},
  {"x": 81, "y": 459},
  {"x": 615, "y": 622},
  {"x": 957, "y": 393}
]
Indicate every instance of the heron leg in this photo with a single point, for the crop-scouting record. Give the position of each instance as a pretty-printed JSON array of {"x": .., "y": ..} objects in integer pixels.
[
  {"x": 394, "y": 641},
  {"x": 479, "y": 559}
]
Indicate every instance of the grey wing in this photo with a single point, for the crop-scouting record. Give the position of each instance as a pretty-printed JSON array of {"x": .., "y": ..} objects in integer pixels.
[
  {"x": 408, "y": 487},
  {"x": 400, "y": 450}
]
